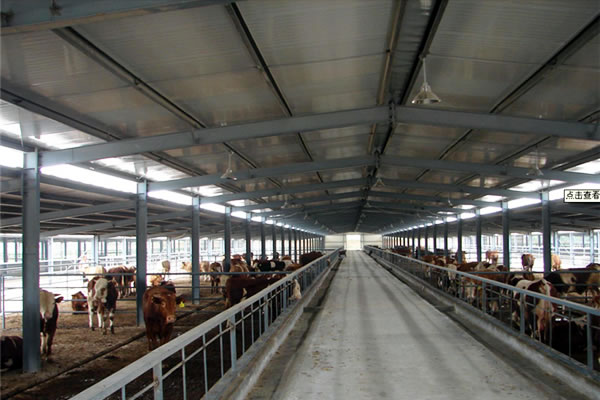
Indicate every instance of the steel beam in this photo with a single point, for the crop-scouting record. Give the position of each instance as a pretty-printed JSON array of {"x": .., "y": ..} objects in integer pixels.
[
  {"x": 440, "y": 200},
  {"x": 305, "y": 200},
  {"x": 36, "y": 15},
  {"x": 115, "y": 224},
  {"x": 465, "y": 189},
  {"x": 197, "y": 137},
  {"x": 227, "y": 237},
  {"x": 486, "y": 169},
  {"x": 75, "y": 212},
  {"x": 10, "y": 185},
  {"x": 141, "y": 239},
  {"x": 505, "y": 235},
  {"x": 289, "y": 169},
  {"x": 546, "y": 233},
  {"x": 286, "y": 190},
  {"x": 31, "y": 263},
  {"x": 195, "y": 242}
]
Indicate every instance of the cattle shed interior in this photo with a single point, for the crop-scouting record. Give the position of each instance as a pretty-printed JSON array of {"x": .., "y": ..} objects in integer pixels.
[{"x": 137, "y": 131}]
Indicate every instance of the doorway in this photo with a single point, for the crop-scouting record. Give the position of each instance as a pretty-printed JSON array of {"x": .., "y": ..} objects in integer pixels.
[{"x": 353, "y": 242}]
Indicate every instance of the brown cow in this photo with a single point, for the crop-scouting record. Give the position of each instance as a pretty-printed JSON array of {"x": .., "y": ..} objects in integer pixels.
[
  {"x": 215, "y": 279},
  {"x": 48, "y": 319},
  {"x": 491, "y": 256},
  {"x": 159, "y": 315},
  {"x": 237, "y": 287},
  {"x": 102, "y": 300},
  {"x": 117, "y": 274},
  {"x": 186, "y": 266},
  {"x": 310, "y": 257},
  {"x": 155, "y": 280},
  {"x": 555, "y": 262},
  {"x": 79, "y": 302},
  {"x": 11, "y": 353},
  {"x": 527, "y": 261}
]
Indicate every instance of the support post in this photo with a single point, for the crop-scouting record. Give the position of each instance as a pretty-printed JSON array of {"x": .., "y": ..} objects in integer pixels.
[
  {"x": 248, "y": 239},
  {"x": 295, "y": 246},
  {"x": 95, "y": 250},
  {"x": 419, "y": 243},
  {"x": 195, "y": 242},
  {"x": 290, "y": 243},
  {"x": 31, "y": 263},
  {"x": 141, "y": 239},
  {"x": 227, "y": 238},
  {"x": 505, "y": 235},
  {"x": 426, "y": 239},
  {"x": 592, "y": 246},
  {"x": 446, "y": 238},
  {"x": 274, "y": 237},
  {"x": 478, "y": 234},
  {"x": 263, "y": 244},
  {"x": 459, "y": 255},
  {"x": 282, "y": 231},
  {"x": 412, "y": 241},
  {"x": 546, "y": 232},
  {"x": 435, "y": 235}
]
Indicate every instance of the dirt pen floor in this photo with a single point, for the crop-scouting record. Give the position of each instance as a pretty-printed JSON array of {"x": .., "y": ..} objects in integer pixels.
[{"x": 81, "y": 358}]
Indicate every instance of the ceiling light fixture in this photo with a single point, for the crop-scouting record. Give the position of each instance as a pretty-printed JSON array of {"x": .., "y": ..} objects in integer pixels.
[
  {"x": 425, "y": 95},
  {"x": 229, "y": 173},
  {"x": 535, "y": 171}
]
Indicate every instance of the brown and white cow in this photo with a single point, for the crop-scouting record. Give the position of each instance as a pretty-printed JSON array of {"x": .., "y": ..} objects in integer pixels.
[
  {"x": 159, "y": 314},
  {"x": 48, "y": 319},
  {"x": 79, "y": 302},
  {"x": 215, "y": 278},
  {"x": 11, "y": 353},
  {"x": 93, "y": 272},
  {"x": 102, "y": 300},
  {"x": 542, "y": 308}
]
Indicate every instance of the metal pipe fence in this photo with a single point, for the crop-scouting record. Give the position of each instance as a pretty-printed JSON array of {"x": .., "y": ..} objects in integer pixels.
[
  {"x": 569, "y": 328},
  {"x": 192, "y": 363}
]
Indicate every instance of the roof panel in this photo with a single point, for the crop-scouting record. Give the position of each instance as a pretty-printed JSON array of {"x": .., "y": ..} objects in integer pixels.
[
  {"x": 331, "y": 85},
  {"x": 304, "y": 31}
]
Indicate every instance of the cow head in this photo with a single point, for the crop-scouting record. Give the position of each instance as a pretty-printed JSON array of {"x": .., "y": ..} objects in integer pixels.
[
  {"x": 48, "y": 301},
  {"x": 101, "y": 290},
  {"x": 165, "y": 302}
]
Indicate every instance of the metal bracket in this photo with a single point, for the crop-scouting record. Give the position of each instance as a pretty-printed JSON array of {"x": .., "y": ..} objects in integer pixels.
[{"x": 392, "y": 114}]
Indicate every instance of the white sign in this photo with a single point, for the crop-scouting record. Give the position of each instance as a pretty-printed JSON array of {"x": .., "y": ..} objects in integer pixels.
[{"x": 581, "y": 196}]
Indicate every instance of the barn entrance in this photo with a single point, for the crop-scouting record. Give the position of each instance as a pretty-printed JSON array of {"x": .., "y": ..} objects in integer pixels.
[{"x": 353, "y": 242}]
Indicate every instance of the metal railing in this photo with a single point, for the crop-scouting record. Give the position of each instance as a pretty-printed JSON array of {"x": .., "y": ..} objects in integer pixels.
[
  {"x": 192, "y": 363},
  {"x": 572, "y": 329}
]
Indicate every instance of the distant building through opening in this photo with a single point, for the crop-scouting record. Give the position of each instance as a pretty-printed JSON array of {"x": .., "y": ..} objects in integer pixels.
[{"x": 353, "y": 242}]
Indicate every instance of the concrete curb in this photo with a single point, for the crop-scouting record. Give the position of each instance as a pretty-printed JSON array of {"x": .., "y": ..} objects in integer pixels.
[
  {"x": 236, "y": 385},
  {"x": 505, "y": 336}
]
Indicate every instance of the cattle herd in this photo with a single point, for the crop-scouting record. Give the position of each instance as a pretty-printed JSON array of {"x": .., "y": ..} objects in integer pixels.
[
  {"x": 543, "y": 319},
  {"x": 160, "y": 300}
]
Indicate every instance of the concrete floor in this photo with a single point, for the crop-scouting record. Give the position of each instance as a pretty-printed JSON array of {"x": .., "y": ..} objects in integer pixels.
[{"x": 374, "y": 338}]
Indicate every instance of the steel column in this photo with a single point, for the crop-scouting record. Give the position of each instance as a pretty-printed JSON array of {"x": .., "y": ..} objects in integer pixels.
[
  {"x": 295, "y": 246},
  {"x": 459, "y": 234},
  {"x": 227, "y": 238},
  {"x": 478, "y": 234},
  {"x": 141, "y": 240},
  {"x": 546, "y": 233},
  {"x": 435, "y": 234},
  {"x": 592, "y": 245},
  {"x": 419, "y": 243},
  {"x": 412, "y": 241},
  {"x": 248, "y": 239},
  {"x": 505, "y": 235},
  {"x": 282, "y": 241},
  {"x": 274, "y": 238},
  {"x": 195, "y": 242},
  {"x": 263, "y": 244},
  {"x": 446, "y": 254},
  {"x": 426, "y": 239},
  {"x": 290, "y": 243},
  {"x": 31, "y": 263},
  {"x": 5, "y": 250}
]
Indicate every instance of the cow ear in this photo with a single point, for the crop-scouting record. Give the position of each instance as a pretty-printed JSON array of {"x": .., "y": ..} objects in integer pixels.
[
  {"x": 58, "y": 299},
  {"x": 156, "y": 299}
]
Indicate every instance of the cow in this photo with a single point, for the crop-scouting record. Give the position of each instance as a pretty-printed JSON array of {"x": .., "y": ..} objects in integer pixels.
[
  {"x": 155, "y": 280},
  {"x": 11, "y": 353},
  {"x": 117, "y": 274},
  {"x": 166, "y": 266},
  {"x": 48, "y": 319},
  {"x": 542, "y": 308},
  {"x": 527, "y": 261},
  {"x": 564, "y": 282},
  {"x": 129, "y": 280},
  {"x": 267, "y": 266},
  {"x": 158, "y": 306},
  {"x": 238, "y": 287},
  {"x": 205, "y": 268},
  {"x": 215, "y": 279},
  {"x": 310, "y": 257},
  {"x": 93, "y": 272},
  {"x": 102, "y": 300},
  {"x": 491, "y": 256},
  {"x": 186, "y": 266},
  {"x": 555, "y": 262},
  {"x": 79, "y": 302}
]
